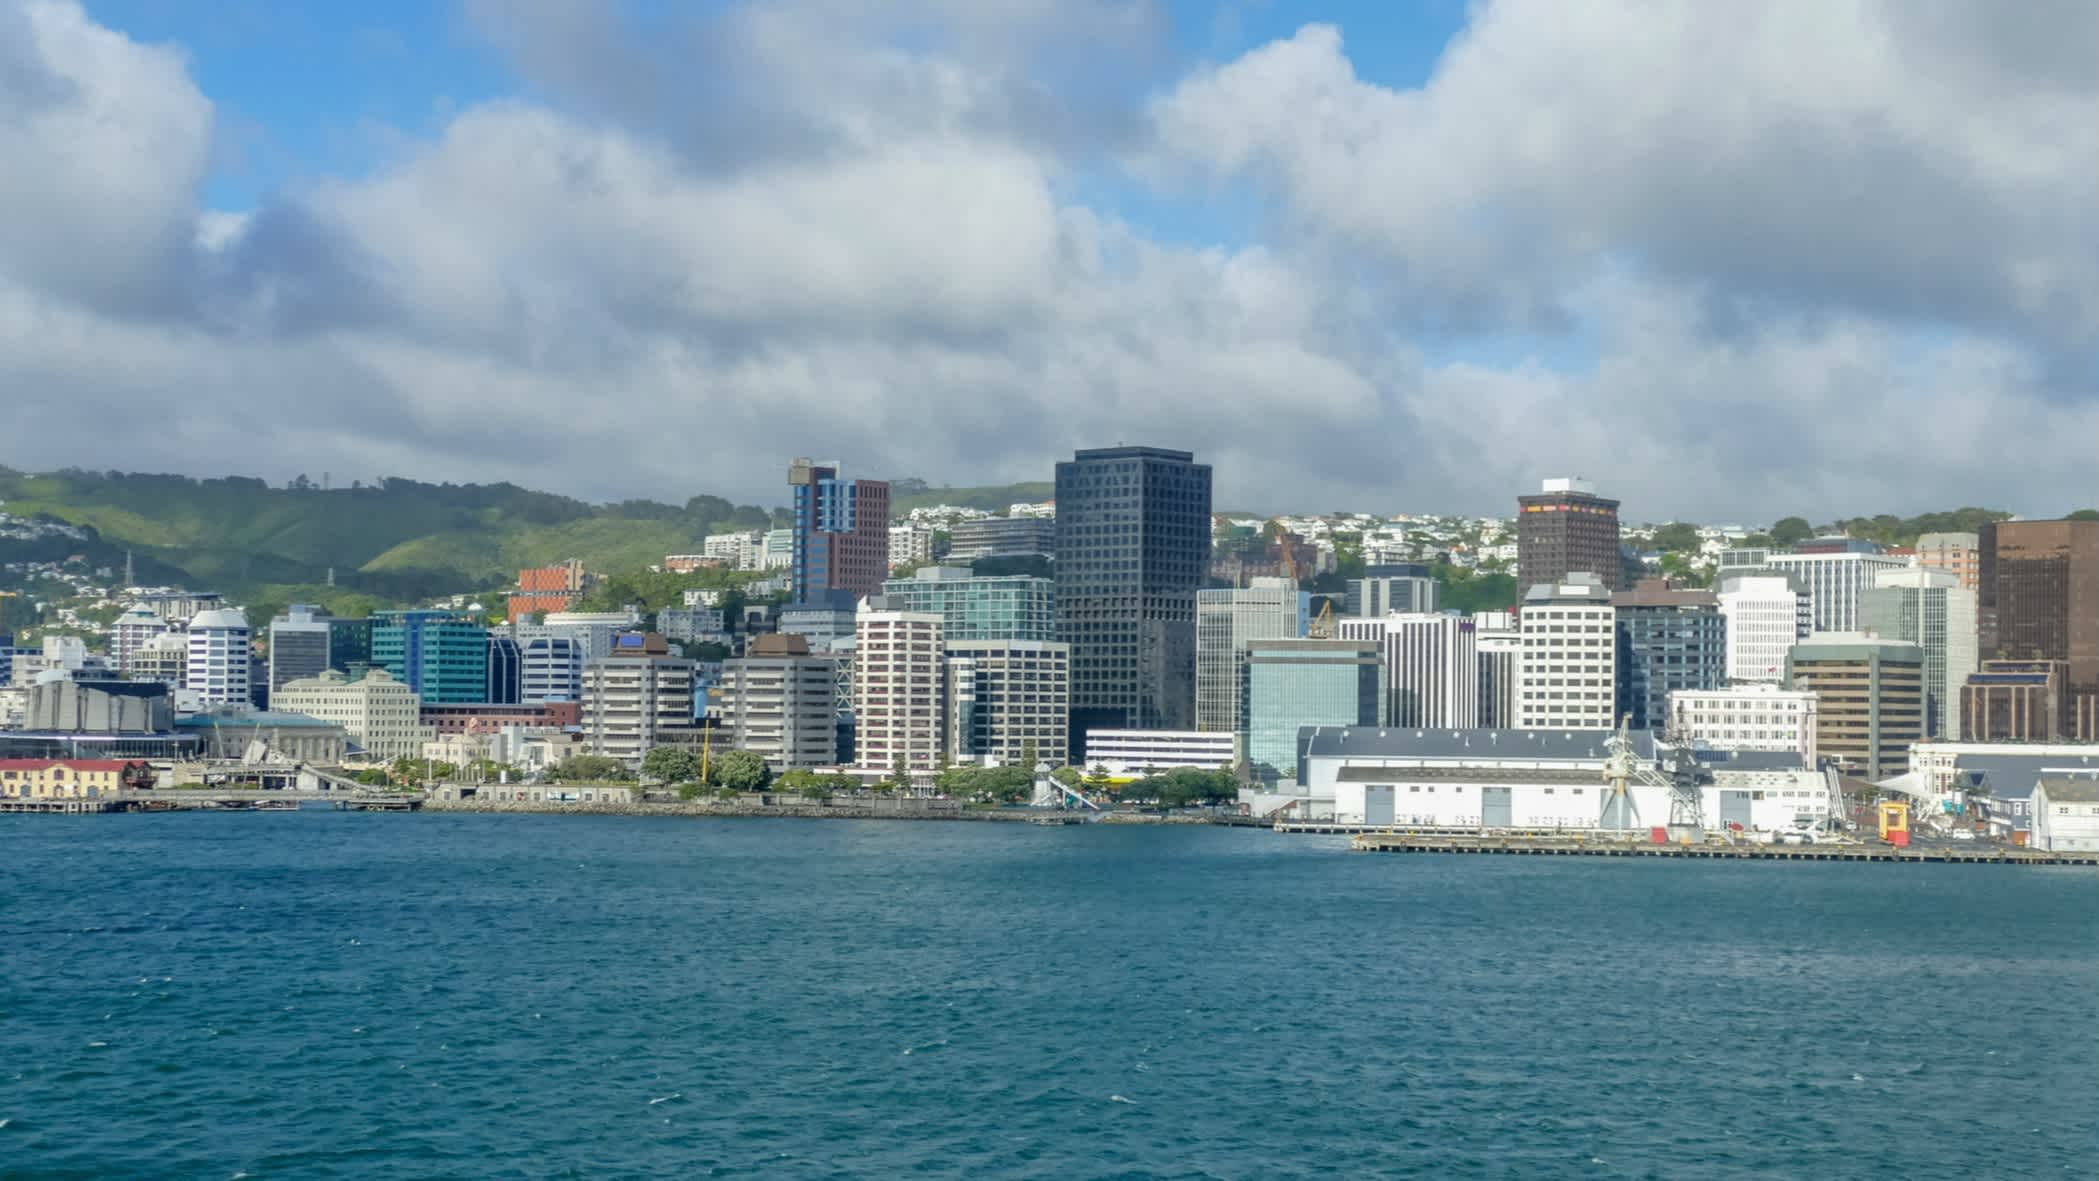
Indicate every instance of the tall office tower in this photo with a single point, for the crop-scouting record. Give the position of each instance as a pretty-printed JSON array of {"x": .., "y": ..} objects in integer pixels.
[
  {"x": 300, "y": 641},
  {"x": 131, "y": 631},
  {"x": 1835, "y": 573},
  {"x": 550, "y": 662},
  {"x": 1931, "y": 609},
  {"x": 1764, "y": 618},
  {"x": 1499, "y": 643},
  {"x": 633, "y": 696},
  {"x": 1269, "y": 609},
  {"x": 1403, "y": 588},
  {"x": 1295, "y": 685},
  {"x": 841, "y": 533},
  {"x": 1431, "y": 668},
  {"x": 1668, "y": 640},
  {"x": 2040, "y": 601},
  {"x": 441, "y": 655},
  {"x": 1567, "y": 672},
  {"x": 1133, "y": 546},
  {"x": 1005, "y": 695},
  {"x": 1958, "y": 554},
  {"x": 781, "y": 702},
  {"x": 992, "y": 607},
  {"x": 897, "y": 675},
  {"x": 220, "y": 666},
  {"x": 1566, "y": 529},
  {"x": 1869, "y": 699},
  {"x": 506, "y": 671}
]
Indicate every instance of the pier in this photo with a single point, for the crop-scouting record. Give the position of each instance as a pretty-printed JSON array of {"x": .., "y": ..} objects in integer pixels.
[{"x": 1513, "y": 846}]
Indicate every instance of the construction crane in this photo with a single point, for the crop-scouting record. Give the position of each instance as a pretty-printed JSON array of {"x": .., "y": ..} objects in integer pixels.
[
  {"x": 1322, "y": 627},
  {"x": 1623, "y": 768}
]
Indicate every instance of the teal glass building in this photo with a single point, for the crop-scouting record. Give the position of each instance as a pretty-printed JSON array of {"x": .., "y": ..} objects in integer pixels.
[
  {"x": 1005, "y": 607},
  {"x": 1289, "y": 685},
  {"x": 441, "y": 655}
]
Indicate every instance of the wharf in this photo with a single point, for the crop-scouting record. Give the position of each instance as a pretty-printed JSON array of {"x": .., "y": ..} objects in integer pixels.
[{"x": 1397, "y": 842}]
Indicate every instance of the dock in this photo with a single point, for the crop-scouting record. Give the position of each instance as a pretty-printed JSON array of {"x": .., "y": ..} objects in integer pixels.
[{"x": 1516, "y": 846}]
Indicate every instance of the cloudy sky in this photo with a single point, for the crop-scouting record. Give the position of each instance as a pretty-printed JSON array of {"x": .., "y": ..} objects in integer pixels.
[{"x": 1730, "y": 261}]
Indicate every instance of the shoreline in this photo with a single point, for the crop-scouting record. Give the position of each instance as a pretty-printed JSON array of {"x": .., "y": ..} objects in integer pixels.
[{"x": 849, "y": 811}]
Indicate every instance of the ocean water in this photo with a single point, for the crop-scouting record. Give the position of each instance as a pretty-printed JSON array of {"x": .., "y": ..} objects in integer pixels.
[{"x": 318, "y": 994}]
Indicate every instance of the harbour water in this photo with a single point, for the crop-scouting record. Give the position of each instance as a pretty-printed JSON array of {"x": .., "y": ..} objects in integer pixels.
[{"x": 321, "y": 994}]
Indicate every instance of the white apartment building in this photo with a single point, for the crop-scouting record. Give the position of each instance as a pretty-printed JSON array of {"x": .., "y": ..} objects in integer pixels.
[
  {"x": 1127, "y": 754},
  {"x": 377, "y": 712},
  {"x": 1745, "y": 717},
  {"x": 1004, "y": 695},
  {"x": 781, "y": 703},
  {"x": 220, "y": 663},
  {"x": 739, "y": 551},
  {"x": 1764, "y": 618},
  {"x": 910, "y": 545},
  {"x": 897, "y": 682},
  {"x": 1567, "y": 668},
  {"x": 631, "y": 696},
  {"x": 1267, "y": 609},
  {"x": 1836, "y": 583},
  {"x": 1431, "y": 668}
]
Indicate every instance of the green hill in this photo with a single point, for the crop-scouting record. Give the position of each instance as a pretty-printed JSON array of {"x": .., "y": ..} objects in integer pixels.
[{"x": 908, "y": 494}]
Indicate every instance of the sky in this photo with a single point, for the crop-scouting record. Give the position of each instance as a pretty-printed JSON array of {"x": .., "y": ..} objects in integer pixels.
[{"x": 1729, "y": 262}]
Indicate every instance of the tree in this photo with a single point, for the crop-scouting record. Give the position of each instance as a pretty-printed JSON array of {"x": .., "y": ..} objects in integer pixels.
[
  {"x": 1677, "y": 537},
  {"x": 741, "y": 770},
  {"x": 2083, "y": 514},
  {"x": 1791, "y": 531},
  {"x": 1097, "y": 780},
  {"x": 1028, "y": 756},
  {"x": 670, "y": 764},
  {"x": 899, "y": 774},
  {"x": 1070, "y": 777},
  {"x": 588, "y": 769}
]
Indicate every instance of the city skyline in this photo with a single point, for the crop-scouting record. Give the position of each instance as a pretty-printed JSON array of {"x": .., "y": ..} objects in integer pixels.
[{"x": 487, "y": 242}]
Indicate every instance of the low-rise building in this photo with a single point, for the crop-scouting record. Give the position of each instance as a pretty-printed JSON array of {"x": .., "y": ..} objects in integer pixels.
[
  {"x": 2066, "y": 815},
  {"x": 1750, "y": 716},
  {"x": 69, "y": 779},
  {"x": 379, "y": 713},
  {"x": 1129, "y": 754}
]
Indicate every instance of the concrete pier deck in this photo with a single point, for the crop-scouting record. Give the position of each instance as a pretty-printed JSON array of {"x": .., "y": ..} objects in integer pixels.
[{"x": 1398, "y": 842}]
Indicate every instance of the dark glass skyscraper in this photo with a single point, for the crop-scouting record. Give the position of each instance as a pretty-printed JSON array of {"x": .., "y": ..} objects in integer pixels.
[
  {"x": 1564, "y": 529},
  {"x": 1667, "y": 640},
  {"x": 1133, "y": 544}
]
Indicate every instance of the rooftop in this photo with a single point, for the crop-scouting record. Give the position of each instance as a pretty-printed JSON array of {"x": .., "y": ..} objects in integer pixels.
[
  {"x": 2071, "y": 791},
  {"x": 1398, "y": 742}
]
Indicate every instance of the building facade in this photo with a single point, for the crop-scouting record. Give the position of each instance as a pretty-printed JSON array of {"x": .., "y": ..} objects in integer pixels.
[
  {"x": 1292, "y": 685},
  {"x": 779, "y": 701},
  {"x": 910, "y": 544},
  {"x": 2039, "y": 600},
  {"x": 2065, "y": 815},
  {"x": 840, "y": 534},
  {"x": 70, "y": 779},
  {"x": 898, "y": 675},
  {"x": 1431, "y": 667},
  {"x": 133, "y": 630},
  {"x": 506, "y": 671},
  {"x": 1132, "y": 754},
  {"x": 1567, "y": 669},
  {"x": 1958, "y": 554},
  {"x": 1745, "y": 717},
  {"x": 1566, "y": 529},
  {"x": 377, "y": 711},
  {"x": 1009, "y": 607},
  {"x": 1005, "y": 697},
  {"x": 1669, "y": 640},
  {"x": 1763, "y": 617},
  {"x": 300, "y": 644},
  {"x": 541, "y": 589},
  {"x": 2018, "y": 701},
  {"x": 1929, "y": 608},
  {"x": 1003, "y": 537},
  {"x": 220, "y": 664},
  {"x": 1498, "y": 641},
  {"x": 636, "y": 698},
  {"x": 1834, "y": 574},
  {"x": 441, "y": 655},
  {"x": 1403, "y": 588},
  {"x": 1870, "y": 699},
  {"x": 1268, "y": 609}
]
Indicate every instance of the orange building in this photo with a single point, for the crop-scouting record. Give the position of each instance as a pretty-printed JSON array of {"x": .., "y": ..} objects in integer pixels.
[{"x": 548, "y": 588}]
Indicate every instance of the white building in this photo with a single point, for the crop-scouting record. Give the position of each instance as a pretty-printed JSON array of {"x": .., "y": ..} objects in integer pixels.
[
  {"x": 1128, "y": 754},
  {"x": 1431, "y": 668},
  {"x": 633, "y": 695},
  {"x": 1764, "y": 618},
  {"x": 781, "y": 703},
  {"x": 164, "y": 658},
  {"x": 132, "y": 631},
  {"x": 910, "y": 545},
  {"x": 377, "y": 712},
  {"x": 687, "y": 625},
  {"x": 1498, "y": 642},
  {"x": 220, "y": 657},
  {"x": 1836, "y": 583},
  {"x": 897, "y": 675},
  {"x": 550, "y": 662},
  {"x": 1567, "y": 670},
  {"x": 2066, "y": 816},
  {"x": 1267, "y": 609},
  {"x": 1392, "y": 589},
  {"x": 1003, "y": 696},
  {"x": 778, "y": 551},
  {"x": 738, "y": 551},
  {"x": 1745, "y": 717}
]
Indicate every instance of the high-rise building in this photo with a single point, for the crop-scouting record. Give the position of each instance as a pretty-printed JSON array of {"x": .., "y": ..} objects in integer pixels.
[
  {"x": 635, "y": 697},
  {"x": 550, "y": 663},
  {"x": 220, "y": 662},
  {"x": 779, "y": 701},
  {"x": 131, "y": 631},
  {"x": 1431, "y": 668},
  {"x": 1004, "y": 696},
  {"x": 1002, "y": 537},
  {"x": 1498, "y": 641},
  {"x": 1269, "y": 609},
  {"x": 349, "y": 643},
  {"x": 1764, "y": 617},
  {"x": 1835, "y": 573},
  {"x": 1133, "y": 545},
  {"x": 1566, "y": 529},
  {"x": 541, "y": 589},
  {"x": 1295, "y": 685},
  {"x": 1668, "y": 640},
  {"x": 1958, "y": 554},
  {"x": 300, "y": 643},
  {"x": 841, "y": 533},
  {"x": 1567, "y": 672},
  {"x": 1004, "y": 607},
  {"x": 1403, "y": 588},
  {"x": 897, "y": 682},
  {"x": 2040, "y": 601},
  {"x": 441, "y": 655},
  {"x": 506, "y": 671},
  {"x": 1753, "y": 716},
  {"x": 1870, "y": 699},
  {"x": 1931, "y": 609}
]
